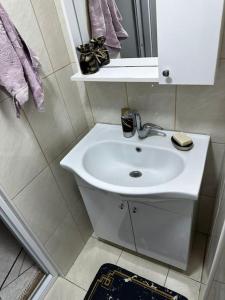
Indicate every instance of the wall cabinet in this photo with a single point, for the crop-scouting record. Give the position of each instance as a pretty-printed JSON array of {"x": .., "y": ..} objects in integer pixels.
[
  {"x": 188, "y": 40},
  {"x": 159, "y": 229}
]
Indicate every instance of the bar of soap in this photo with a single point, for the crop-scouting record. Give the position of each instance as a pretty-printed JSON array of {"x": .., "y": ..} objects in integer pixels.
[{"x": 182, "y": 139}]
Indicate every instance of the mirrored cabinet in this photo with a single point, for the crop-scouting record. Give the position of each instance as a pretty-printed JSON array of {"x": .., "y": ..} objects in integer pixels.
[{"x": 162, "y": 41}]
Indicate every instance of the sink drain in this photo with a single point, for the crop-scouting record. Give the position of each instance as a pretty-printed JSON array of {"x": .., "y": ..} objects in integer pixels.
[{"x": 135, "y": 174}]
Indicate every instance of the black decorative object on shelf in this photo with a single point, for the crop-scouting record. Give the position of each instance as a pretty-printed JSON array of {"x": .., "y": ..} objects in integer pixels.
[
  {"x": 101, "y": 52},
  {"x": 113, "y": 282},
  {"x": 88, "y": 61},
  {"x": 93, "y": 56}
]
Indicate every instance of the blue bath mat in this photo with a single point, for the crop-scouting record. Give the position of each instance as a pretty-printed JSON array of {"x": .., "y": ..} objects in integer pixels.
[{"x": 115, "y": 283}]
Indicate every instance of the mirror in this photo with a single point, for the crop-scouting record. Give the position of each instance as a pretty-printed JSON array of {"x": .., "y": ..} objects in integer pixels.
[{"x": 129, "y": 26}]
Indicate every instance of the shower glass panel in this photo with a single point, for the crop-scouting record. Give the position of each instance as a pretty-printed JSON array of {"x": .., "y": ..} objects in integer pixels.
[{"x": 139, "y": 20}]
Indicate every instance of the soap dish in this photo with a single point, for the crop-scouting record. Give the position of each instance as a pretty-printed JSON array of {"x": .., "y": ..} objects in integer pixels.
[{"x": 181, "y": 148}]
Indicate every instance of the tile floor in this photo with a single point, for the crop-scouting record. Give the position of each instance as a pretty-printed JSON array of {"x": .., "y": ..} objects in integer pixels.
[
  {"x": 96, "y": 253},
  {"x": 17, "y": 269}
]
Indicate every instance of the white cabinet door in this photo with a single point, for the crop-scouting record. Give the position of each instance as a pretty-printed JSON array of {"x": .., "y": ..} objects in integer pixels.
[
  {"x": 188, "y": 40},
  {"x": 109, "y": 216},
  {"x": 161, "y": 234}
]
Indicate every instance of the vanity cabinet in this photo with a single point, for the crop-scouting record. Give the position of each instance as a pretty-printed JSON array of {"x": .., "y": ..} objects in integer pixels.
[
  {"x": 161, "y": 234},
  {"x": 160, "y": 229},
  {"x": 109, "y": 216}
]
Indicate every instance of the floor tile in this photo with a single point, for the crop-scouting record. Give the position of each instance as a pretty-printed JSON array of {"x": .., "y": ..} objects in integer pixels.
[
  {"x": 15, "y": 289},
  {"x": 64, "y": 290},
  {"x": 202, "y": 291},
  {"x": 27, "y": 263},
  {"x": 183, "y": 285},
  {"x": 153, "y": 271},
  {"x": 15, "y": 271},
  {"x": 93, "y": 256},
  {"x": 195, "y": 265},
  {"x": 9, "y": 250}
]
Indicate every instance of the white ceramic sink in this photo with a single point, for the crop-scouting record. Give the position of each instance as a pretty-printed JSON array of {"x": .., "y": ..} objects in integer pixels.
[
  {"x": 115, "y": 162},
  {"x": 108, "y": 161}
]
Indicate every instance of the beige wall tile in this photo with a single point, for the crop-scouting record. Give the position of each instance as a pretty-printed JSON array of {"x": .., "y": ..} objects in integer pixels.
[
  {"x": 107, "y": 99},
  {"x": 72, "y": 99},
  {"x": 220, "y": 272},
  {"x": 86, "y": 103},
  {"x": 68, "y": 187},
  {"x": 201, "y": 109},
  {"x": 217, "y": 291},
  {"x": 52, "y": 127},
  {"x": 223, "y": 44},
  {"x": 47, "y": 17},
  {"x": 156, "y": 104},
  {"x": 42, "y": 205},
  {"x": 205, "y": 214},
  {"x": 213, "y": 169},
  {"x": 64, "y": 30},
  {"x": 22, "y": 15},
  {"x": 65, "y": 244},
  {"x": 196, "y": 259},
  {"x": 18, "y": 150},
  {"x": 84, "y": 225}
]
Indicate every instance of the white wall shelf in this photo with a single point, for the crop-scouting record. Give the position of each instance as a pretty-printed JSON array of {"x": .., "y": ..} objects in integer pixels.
[{"x": 125, "y": 74}]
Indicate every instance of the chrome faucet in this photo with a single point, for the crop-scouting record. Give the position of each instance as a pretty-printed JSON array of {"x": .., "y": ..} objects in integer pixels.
[{"x": 147, "y": 129}]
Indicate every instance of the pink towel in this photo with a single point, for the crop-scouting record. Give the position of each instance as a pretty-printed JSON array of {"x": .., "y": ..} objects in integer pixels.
[
  {"x": 106, "y": 21},
  {"x": 18, "y": 65}
]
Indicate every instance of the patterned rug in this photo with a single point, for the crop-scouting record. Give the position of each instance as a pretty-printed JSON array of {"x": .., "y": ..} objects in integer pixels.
[{"x": 115, "y": 283}]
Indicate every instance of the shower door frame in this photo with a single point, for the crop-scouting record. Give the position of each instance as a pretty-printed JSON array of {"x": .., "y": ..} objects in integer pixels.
[{"x": 14, "y": 222}]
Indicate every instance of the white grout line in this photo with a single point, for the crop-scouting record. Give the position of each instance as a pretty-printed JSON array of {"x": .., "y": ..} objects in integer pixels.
[
  {"x": 166, "y": 277},
  {"x": 119, "y": 256},
  {"x": 74, "y": 284}
]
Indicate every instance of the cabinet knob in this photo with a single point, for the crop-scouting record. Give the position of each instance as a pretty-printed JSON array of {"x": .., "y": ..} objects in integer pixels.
[
  {"x": 166, "y": 73},
  {"x": 122, "y": 206},
  {"x": 134, "y": 210}
]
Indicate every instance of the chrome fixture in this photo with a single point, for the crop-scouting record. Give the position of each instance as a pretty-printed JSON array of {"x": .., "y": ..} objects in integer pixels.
[{"x": 147, "y": 129}]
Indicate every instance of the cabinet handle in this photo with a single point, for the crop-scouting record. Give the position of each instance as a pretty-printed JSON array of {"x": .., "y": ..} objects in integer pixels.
[
  {"x": 166, "y": 73},
  {"x": 122, "y": 206},
  {"x": 134, "y": 210}
]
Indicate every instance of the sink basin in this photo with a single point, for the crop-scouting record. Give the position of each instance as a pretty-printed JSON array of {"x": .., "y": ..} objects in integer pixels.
[
  {"x": 108, "y": 161},
  {"x": 127, "y": 165}
]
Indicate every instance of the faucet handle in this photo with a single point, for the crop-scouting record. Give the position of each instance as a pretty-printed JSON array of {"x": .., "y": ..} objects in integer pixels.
[{"x": 152, "y": 126}]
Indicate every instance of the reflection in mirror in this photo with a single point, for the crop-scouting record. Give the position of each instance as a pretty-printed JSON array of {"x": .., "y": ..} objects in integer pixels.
[
  {"x": 139, "y": 19},
  {"x": 129, "y": 26}
]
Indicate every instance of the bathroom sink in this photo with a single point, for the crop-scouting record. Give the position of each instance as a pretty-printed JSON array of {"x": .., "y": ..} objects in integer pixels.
[
  {"x": 125, "y": 164},
  {"x": 108, "y": 161}
]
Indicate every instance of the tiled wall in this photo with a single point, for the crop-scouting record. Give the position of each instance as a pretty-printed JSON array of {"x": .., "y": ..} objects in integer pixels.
[
  {"x": 198, "y": 109},
  {"x": 31, "y": 147},
  {"x": 217, "y": 290}
]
